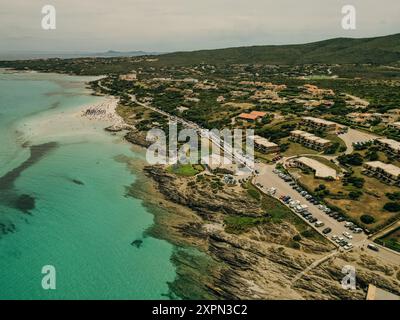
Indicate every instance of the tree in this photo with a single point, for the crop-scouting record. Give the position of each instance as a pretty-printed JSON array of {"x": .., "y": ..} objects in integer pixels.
[
  {"x": 367, "y": 219},
  {"x": 354, "y": 159},
  {"x": 392, "y": 207},
  {"x": 355, "y": 195}
]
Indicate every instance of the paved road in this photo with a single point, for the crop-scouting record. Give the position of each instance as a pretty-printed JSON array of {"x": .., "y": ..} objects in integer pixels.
[
  {"x": 228, "y": 150},
  {"x": 353, "y": 136}
]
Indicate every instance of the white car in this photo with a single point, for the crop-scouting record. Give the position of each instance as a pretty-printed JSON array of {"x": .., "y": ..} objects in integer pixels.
[
  {"x": 348, "y": 246},
  {"x": 347, "y": 235},
  {"x": 319, "y": 224},
  {"x": 348, "y": 224}
]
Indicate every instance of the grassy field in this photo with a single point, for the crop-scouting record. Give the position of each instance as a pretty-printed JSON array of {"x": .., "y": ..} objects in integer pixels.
[
  {"x": 326, "y": 162},
  {"x": 240, "y": 224},
  {"x": 391, "y": 240},
  {"x": 296, "y": 149},
  {"x": 186, "y": 170}
]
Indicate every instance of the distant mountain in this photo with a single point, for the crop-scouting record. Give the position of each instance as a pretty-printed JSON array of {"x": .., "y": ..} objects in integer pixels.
[
  {"x": 26, "y": 55},
  {"x": 380, "y": 50}
]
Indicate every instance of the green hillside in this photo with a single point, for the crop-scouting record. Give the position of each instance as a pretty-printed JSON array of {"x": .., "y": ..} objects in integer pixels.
[{"x": 380, "y": 50}]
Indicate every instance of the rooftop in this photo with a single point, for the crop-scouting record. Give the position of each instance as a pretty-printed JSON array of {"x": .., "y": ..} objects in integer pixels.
[
  {"x": 321, "y": 170},
  {"x": 264, "y": 142},
  {"x": 248, "y": 116},
  {"x": 321, "y": 121},
  {"x": 392, "y": 143},
  {"x": 389, "y": 168}
]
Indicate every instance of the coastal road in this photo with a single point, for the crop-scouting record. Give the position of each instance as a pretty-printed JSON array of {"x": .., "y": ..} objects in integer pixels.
[{"x": 204, "y": 133}]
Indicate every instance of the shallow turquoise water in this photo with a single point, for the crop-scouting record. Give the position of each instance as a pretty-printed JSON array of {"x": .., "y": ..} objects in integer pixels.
[{"x": 84, "y": 229}]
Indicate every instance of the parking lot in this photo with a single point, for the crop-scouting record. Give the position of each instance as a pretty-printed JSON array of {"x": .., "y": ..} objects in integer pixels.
[{"x": 269, "y": 180}]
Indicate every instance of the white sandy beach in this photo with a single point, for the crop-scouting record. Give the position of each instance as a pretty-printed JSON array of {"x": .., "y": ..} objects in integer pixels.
[{"x": 87, "y": 121}]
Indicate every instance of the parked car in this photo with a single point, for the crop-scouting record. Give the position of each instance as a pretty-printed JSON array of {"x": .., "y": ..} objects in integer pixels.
[
  {"x": 348, "y": 224},
  {"x": 348, "y": 246},
  {"x": 340, "y": 219},
  {"x": 343, "y": 243},
  {"x": 347, "y": 235},
  {"x": 319, "y": 224},
  {"x": 326, "y": 230},
  {"x": 305, "y": 214},
  {"x": 312, "y": 220},
  {"x": 372, "y": 247}
]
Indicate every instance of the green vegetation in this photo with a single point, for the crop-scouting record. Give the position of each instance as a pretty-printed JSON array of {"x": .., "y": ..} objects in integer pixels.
[
  {"x": 392, "y": 207},
  {"x": 186, "y": 170},
  {"x": 391, "y": 240},
  {"x": 367, "y": 219},
  {"x": 354, "y": 159},
  {"x": 240, "y": 224}
]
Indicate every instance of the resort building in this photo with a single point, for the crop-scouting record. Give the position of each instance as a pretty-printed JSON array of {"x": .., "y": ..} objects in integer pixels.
[
  {"x": 309, "y": 140},
  {"x": 394, "y": 126},
  {"x": 387, "y": 173},
  {"x": 263, "y": 145},
  {"x": 362, "y": 118},
  {"x": 320, "y": 170},
  {"x": 252, "y": 116},
  {"x": 390, "y": 146},
  {"x": 321, "y": 124}
]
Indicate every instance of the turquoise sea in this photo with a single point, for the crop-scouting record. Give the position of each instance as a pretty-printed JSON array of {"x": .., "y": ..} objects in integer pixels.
[{"x": 63, "y": 203}]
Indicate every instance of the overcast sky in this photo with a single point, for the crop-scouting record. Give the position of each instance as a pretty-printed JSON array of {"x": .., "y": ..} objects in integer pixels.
[{"x": 171, "y": 25}]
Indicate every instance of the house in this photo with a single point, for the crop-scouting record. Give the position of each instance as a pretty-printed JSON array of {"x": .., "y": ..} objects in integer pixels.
[
  {"x": 394, "y": 125},
  {"x": 252, "y": 116},
  {"x": 321, "y": 124},
  {"x": 387, "y": 173},
  {"x": 361, "y": 118},
  {"x": 263, "y": 145},
  {"x": 129, "y": 77},
  {"x": 389, "y": 146},
  {"x": 320, "y": 170},
  {"x": 309, "y": 140},
  {"x": 315, "y": 91}
]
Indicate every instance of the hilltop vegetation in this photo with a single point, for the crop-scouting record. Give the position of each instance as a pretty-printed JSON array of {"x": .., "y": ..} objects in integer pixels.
[
  {"x": 379, "y": 50},
  {"x": 355, "y": 53}
]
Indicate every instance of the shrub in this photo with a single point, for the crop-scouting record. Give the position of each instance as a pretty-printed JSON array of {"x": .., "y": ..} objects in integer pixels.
[
  {"x": 354, "y": 195},
  {"x": 367, "y": 219},
  {"x": 307, "y": 234},
  {"x": 392, "y": 207},
  {"x": 297, "y": 237},
  {"x": 254, "y": 194}
]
